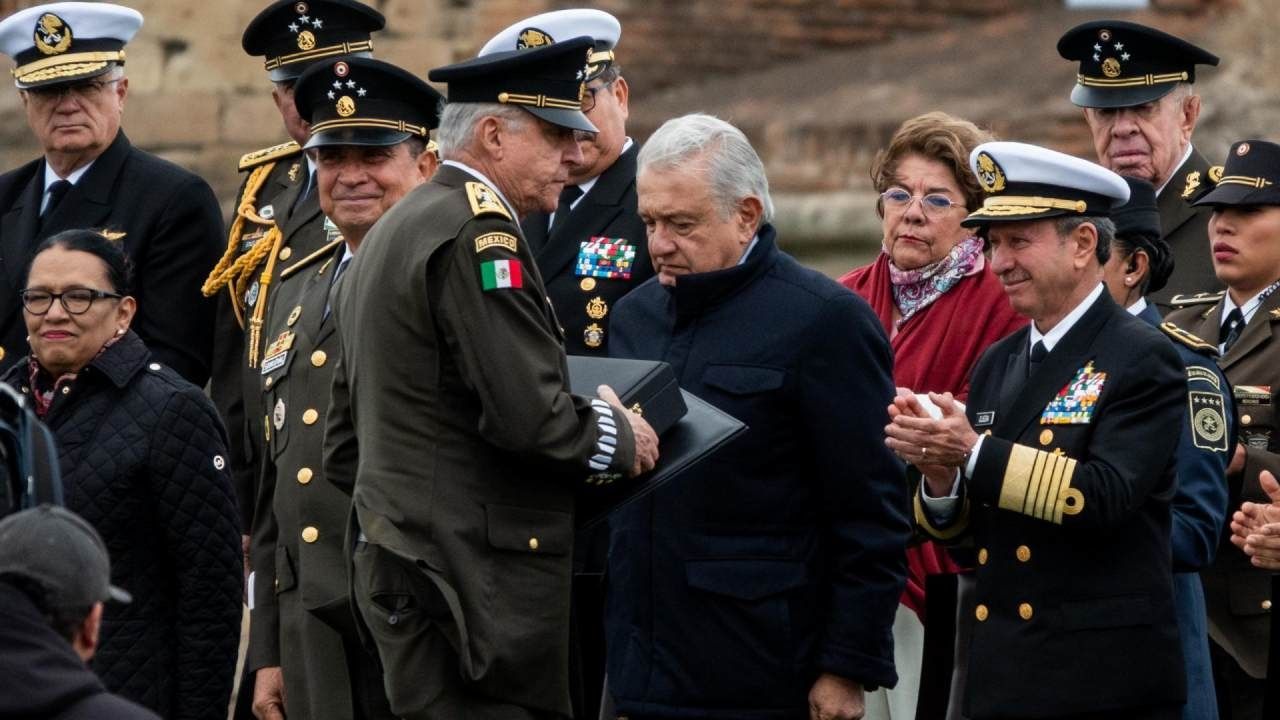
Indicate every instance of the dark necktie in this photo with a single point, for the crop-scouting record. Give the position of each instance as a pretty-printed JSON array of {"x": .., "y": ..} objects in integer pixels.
[
  {"x": 1038, "y": 352},
  {"x": 1231, "y": 329},
  {"x": 567, "y": 198},
  {"x": 57, "y": 190}
]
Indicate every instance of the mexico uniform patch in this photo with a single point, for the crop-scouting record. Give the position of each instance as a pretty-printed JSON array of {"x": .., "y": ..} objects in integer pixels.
[{"x": 500, "y": 274}]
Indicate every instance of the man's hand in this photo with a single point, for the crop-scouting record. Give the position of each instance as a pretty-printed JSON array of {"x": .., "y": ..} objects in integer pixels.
[
  {"x": 926, "y": 442},
  {"x": 646, "y": 438},
  {"x": 1255, "y": 527},
  {"x": 268, "y": 694},
  {"x": 835, "y": 698}
]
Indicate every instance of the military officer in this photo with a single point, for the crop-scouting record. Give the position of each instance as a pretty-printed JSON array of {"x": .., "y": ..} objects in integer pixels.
[
  {"x": 1080, "y": 415},
  {"x": 464, "y": 443},
  {"x": 71, "y": 80},
  {"x": 591, "y": 250},
  {"x": 1135, "y": 84},
  {"x": 1244, "y": 323},
  {"x": 301, "y": 613}
]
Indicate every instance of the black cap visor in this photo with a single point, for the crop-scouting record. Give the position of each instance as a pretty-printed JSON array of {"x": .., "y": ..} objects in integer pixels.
[
  {"x": 1120, "y": 97},
  {"x": 572, "y": 119},
  {"x": 1232, "y": 194}
]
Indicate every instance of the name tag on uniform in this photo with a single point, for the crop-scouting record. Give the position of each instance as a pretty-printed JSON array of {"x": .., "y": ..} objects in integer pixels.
[
  {"x": 1075, "y": 403},
  {"x": 277, "y": 353},
  {"x": 602, "y": 257}
]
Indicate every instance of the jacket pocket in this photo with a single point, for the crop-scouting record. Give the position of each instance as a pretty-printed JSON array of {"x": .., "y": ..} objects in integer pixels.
[
  {"x": 542, "y": 532},
  {"x": 1108, "y": 612},
  {"x": 285, "y": 577},
  {"x": 743, "y": 379}
]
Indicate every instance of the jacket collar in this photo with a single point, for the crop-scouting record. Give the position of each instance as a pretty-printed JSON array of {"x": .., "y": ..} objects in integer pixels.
[
  {"x": 697, "y": 292},
  {"x": 123, "y": 360}
]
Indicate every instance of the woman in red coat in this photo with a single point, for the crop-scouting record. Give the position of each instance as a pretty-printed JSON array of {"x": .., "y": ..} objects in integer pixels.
[{"x": 941, "y": 306}]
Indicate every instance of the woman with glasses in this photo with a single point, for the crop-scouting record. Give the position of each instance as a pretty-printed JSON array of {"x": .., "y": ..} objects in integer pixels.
[
  {"x": 143, "y": 459},
  {"x": 941, "y": 306}
]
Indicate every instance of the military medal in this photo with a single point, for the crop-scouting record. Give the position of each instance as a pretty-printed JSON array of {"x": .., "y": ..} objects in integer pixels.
[
  {"x": 1075, "y": 403},
  {"x": 251, "y": 295},
  {"x": 277, "y": 415},
  {"x": 294, "y": 315},
  {"x": 277, "y": 352},
  {"x": 602, "y": 257},
  {"x": 597, "y": 308},
  {"x": 593, "y": 336}
]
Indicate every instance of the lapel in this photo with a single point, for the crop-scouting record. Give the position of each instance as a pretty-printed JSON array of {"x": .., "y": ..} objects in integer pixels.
[
  {"x": 19, "y": 229},
  {"x": 1257, "y": 332},
  {"x": 1174, "y": 211},
  {"x": 1014, "y": 375},
  {"x": 1058, "y": 368},
  {"x": 316, "y": 295},
  {"x": 593, "y": 214},
  {"x": 296, "y": 217}
]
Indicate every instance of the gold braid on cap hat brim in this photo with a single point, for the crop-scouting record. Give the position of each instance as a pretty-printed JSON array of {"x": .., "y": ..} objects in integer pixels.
[
  {"x": 1005, "y": 205},
  {"x": 397, "y": 125},
  {"x": 539, "y": 101},
  {"x": 69, "y": 65},
  {"x": 1253, "y": 182},
  {"x": 346, "y": 48},
  {"x": 1139, "y": 81}
]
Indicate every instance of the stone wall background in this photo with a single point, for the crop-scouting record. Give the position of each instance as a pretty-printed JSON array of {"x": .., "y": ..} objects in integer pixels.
[{"x": 818, "y": 85}]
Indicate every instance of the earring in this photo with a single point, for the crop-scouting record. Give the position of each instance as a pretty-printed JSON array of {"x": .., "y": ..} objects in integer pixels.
[
  {"x": 120, "y": 331},
  {"x": 1128, "y": 281}
]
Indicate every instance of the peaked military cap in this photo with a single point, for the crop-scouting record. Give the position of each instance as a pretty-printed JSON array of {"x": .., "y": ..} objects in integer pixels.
[
  {"x": 293, "y": 34},
  {"x": 1251, "y": 176},
  {"x": 1028, "y": 182},
  {"x": 547, "y": 81},
  {"x": 67, "y": 42},
  {"x": 544, "y": 29},
  {"x": 1124, "y": 64},
  {"x": 362, "y": 101}
]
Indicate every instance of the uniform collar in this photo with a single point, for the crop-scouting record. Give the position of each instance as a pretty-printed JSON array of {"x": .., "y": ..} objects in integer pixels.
[
  {"x": 1056, "y": 333},
  {"x": 697, "y": 291}
]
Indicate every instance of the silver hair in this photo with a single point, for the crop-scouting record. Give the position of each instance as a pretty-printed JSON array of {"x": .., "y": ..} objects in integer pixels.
[
  {"x": 458, "y": 123},
  {"x": 733, "y": 169},
  {"x": 1067, "y": 224}
]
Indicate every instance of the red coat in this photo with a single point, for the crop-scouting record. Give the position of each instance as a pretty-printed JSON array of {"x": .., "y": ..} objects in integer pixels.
[{"x": 935, "y": 351}]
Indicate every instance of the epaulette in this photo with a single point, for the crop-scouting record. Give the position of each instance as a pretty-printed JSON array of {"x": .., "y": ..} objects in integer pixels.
[
  {"x": 1199, "y": 298},
  {"x": 322, "y": 252},
  {"x": 1195, "y": 342},
  {"x": 484, "y": 201},
  {"x": 275, "y": 152}
]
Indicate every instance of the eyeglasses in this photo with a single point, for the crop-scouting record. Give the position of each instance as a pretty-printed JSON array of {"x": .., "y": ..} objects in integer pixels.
[
  {"x": 589, "y": 99},
  {"x": 934, "y": 204},
  {"x": 87, "y": 90},
  {"x": 75, "y": 301}
]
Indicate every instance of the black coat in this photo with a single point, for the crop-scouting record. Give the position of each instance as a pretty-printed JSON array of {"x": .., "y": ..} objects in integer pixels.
[
  {"x": 1075, "y": 608},
  {"x": 144, "y": 461},
  {"x": 43, "y": 676},
  {"x": 783, "y": 555},
  {"x": 584, "y": 305},
  {"x": 172, "y": 231}
]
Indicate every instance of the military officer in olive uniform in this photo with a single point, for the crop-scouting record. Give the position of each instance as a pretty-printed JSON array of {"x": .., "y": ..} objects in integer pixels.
[
  {"x": 451, "y": 409},
  {"x": 1135, "y": 84},
  {"x": 1066, "y": 492},
  {"x": 277, "y": 215},
  {"x": 1244, "y": 322},
  {"x": 592, "y": 249},
  {"x": 302, "y": 605}
]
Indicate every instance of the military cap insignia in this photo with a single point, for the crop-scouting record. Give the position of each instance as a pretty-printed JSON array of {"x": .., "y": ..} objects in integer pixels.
[
  {"x": 52, "y": 35},
  {"x": 1215, "y": 174},
  {"x": 498, "y": 239},
  {"x": 1193, "y": 183},
  {"x": 1242, "y": 149},
  {"x": 990, "y": 175},
  {"x": 485, "y": 201},
  {"x": 1075, "y": 403},
  {"x": 532, "y": 38},
  {"x": 597, "y": 308}
]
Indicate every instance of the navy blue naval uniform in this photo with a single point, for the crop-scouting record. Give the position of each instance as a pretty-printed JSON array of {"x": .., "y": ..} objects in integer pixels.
[{"x": 782, "y": 555}]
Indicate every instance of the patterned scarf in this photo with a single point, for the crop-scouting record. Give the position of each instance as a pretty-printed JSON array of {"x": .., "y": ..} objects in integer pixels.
[
  {"x": 914, "y": 290},
  {"x": 43, "y": 391}
]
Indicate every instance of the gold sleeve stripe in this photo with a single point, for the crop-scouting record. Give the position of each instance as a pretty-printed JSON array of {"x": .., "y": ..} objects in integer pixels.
[
  {"x": 959, "y": 526},
  {"x": 1038, "y": 484}
]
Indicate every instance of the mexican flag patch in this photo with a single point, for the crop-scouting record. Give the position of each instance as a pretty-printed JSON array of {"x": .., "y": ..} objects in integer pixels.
[{"x": 499, "y": 274}]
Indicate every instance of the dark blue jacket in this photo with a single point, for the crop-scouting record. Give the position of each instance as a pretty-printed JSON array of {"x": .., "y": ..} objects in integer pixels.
[{"x": 781, "y": 556}]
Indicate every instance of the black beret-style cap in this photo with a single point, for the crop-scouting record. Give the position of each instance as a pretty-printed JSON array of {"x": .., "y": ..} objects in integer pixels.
[
  {"x": 293, "y": 34},
  {"x": 1139, "y": 217},
  {"x": 1123, "y": 64},
  {"x": 362, "y": 101},
  {"x": 547, "y": 81},
  {"x": 1251, "y": 176}
]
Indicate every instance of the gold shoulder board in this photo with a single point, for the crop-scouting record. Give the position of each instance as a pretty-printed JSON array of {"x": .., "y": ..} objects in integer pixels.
[
  {"x": 1197, "y": 299},
  {"x": 1195, "y": 342},
  {"x": 484, "y": 201},
  {"x": 275, "y": 152},
  {"x": 324, "y": 251}
]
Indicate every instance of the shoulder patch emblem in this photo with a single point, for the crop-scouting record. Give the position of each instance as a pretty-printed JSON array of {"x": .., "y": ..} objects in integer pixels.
[
  {"x": 497, "y": 239},
  {"x": 485, "y": 201},
  {"x": 1197, "y": 299},
  {"x": 1195, "y": 342},
  {"x": 1208, "y": 424},
  {"x": 275, "y": 152}
]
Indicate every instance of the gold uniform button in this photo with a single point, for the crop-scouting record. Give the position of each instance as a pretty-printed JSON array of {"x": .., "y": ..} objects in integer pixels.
[
  {"x": 310, "y": 416},
  {"x": 981, "y": 613},
  {"x": 318, "y": 358},
  {"x": 1025, "y": 612},
  {"x": 1, "y": 353},
  {"x": 982, "y": 556},
  {"x": 533, "y": 543},
  {"x": 1024, "y": 553},
  {"x": 1046, "y": 436},
  {"x": 1246, "y": 419},
  {"x": 1266, "y": 604},
  {"x": 304, "y": 476},
  {"x": 286, "y": 253},
  {"x": 310, "y": 534}
]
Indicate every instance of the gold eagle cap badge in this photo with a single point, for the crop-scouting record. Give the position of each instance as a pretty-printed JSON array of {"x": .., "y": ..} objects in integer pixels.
[
  {"x": 990, "y": 175},
  {"x": 532, "y": 38},
  {"x": 52, "y": 35}
]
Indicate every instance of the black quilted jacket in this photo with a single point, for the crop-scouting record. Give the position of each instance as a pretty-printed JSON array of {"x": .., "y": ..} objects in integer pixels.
[{"x": 143, "y": 460}]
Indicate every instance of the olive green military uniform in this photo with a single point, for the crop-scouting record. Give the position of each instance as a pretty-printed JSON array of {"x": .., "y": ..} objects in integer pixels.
[
  {"x": 1186, "y": 229},
  {"x": 452, "y": 393},
  {"x": 244, "y": 280},
  {"x": 1238, "y": 595}
]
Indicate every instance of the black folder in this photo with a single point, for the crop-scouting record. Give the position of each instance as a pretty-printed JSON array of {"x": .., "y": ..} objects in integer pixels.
[{"x": 701, "y": 430}]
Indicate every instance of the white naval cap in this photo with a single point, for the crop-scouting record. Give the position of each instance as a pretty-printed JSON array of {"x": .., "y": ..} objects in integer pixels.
[
  {"x": 549, "y": 27},
  {"x": 66, "y": 41},
  {"x": 1028, "y": 182}
]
